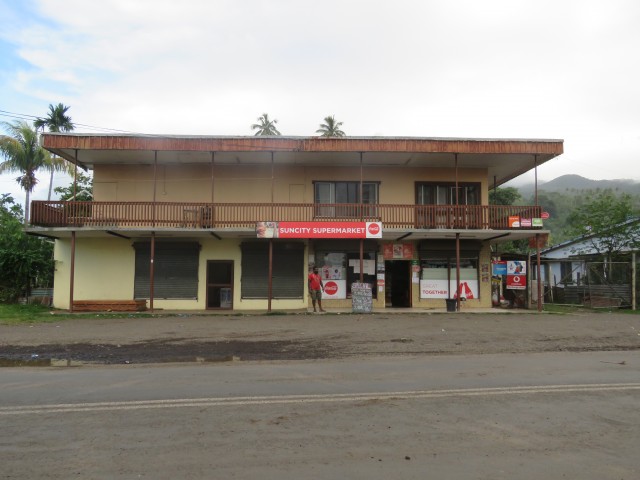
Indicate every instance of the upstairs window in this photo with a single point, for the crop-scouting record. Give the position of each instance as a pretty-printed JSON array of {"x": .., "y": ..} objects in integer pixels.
[
  {"x": 445, "y": 194},
  {"x": 327, "y": 194}
]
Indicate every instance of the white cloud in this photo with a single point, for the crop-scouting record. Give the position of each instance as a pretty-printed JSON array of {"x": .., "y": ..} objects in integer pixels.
[{"x": 505, "y": 68}]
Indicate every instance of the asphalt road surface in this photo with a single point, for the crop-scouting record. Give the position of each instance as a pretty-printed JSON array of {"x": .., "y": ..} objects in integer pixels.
[{"x": 493, "y": 416}]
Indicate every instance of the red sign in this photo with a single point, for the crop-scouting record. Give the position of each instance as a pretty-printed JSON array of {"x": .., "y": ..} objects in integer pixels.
[
  {"x": 544, "y": 215},
  {"x": 331, "y": 288},
  {"x": 514, "y": 221},
  {"x": 516, "y": 282},
  {"x": 319, "y": 229}
]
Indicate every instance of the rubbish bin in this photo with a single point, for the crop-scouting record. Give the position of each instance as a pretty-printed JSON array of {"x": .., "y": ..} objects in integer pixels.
[{"x": 452, "y": 304}]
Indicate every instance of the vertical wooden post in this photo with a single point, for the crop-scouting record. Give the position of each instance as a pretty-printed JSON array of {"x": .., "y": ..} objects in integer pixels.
[
  {"x": 155, "y": 182},
  {"x": 213, "y": 161},
  {"x": 535, "y": 173},
  {"x": 458, "y": 271},
  {"x": 75, "y": 176},
  {"x": 540, "y": 296},
  {"x": 152, "y": 255},
  {"x": 360, "y": 200},
  {"x": 73, "y": 268},
  {"x": 270, "y": 287},
  {"x": 362, "y": 260}
]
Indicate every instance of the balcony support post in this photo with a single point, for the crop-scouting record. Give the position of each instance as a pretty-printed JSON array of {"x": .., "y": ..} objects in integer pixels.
[
  {"x": 75, "y": 175},
  {"x": 539, "y": 270},
  {"x": 155, "y": 183},
  {"x": 213, "y": 161},
  {"x": 270, "y": 286},
  {"x": 361, "y": 260},
  {"x": 458, "y": 271},
  {"x": 360, "y": 200},
  {"x": 535, "y": 175},
  {"x": 152, "y": 269},
  {"x": 73, "y": 268}
]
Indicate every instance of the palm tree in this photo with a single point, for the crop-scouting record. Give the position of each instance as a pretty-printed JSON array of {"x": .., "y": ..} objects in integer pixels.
[
  {"x": 330, "y": 128},
  {"x": 266, "y": 126},
  {"x": 56, "y": 120},
  {"x": 23, "y": 153}
]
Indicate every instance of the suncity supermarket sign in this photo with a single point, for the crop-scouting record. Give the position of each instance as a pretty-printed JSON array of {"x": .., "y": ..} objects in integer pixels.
[{"x": 319, "y": 229}]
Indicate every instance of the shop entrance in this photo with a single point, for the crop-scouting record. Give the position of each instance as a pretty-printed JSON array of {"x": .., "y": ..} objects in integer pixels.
[
  {"x": 220, "y": 284},
  {"x": 397, "y": 283}
]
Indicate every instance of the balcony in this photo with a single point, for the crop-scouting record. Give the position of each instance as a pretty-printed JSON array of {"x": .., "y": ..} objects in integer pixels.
[{"x": 145, "y": 215}]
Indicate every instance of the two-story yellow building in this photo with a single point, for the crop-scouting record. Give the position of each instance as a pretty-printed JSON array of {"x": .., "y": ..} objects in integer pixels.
[{"x": 195, "y": 223}]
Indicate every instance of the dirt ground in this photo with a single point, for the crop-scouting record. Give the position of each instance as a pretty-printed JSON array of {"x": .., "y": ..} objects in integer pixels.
[{"x": 189, "y": 338}]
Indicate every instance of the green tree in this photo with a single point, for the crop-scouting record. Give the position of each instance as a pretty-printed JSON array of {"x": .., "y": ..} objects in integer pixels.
[
  {"x": 330, "y": 128},
  {"x": 610, "y": 224},
  {"x": 504, "y": 196},
  {"x": 265, "y": 126},
  {"x": 25, "y": 261},
  {"x": 23, "y": 154},
  {"x": 57, "y": 121},
  {"x": 83, "y": 190}
]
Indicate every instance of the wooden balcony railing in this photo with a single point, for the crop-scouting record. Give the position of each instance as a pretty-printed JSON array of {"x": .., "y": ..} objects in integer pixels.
[{"x": 245, "y": 215}]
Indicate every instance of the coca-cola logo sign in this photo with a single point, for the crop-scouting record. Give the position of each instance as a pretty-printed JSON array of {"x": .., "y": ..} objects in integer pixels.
[
  {"x": 374, "y": 229},
  {"x": 331, "y": 288}
]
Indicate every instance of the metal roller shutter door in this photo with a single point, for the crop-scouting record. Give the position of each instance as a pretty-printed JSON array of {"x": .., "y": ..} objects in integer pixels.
[
  {"x": 175, "y": 270},
  {"x": 288, "y": 270}
]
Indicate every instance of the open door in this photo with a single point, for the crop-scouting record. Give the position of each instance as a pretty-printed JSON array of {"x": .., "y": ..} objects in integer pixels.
[
  {"x": 220, "y": 284},
  {"x": 397, "y": 283}
]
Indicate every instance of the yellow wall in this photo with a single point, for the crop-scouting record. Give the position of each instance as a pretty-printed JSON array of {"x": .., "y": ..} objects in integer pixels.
[
  {"x": 242, "y": 184},
  {"x": 104, "y": 270}
]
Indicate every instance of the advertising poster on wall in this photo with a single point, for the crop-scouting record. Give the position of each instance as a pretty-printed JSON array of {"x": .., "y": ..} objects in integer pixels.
[
  {"x": 447, "y": 289},
  {"x": 397, "y": 251},
  {"x": 334, "y": 290},
  {"x": 516, "y": 282},
  {"x": 516, "y": 275},
  {"x": 499, "y": 268}
]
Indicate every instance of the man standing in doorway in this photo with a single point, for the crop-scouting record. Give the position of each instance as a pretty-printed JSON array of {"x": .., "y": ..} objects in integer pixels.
[{"x": 316, "y": 288}]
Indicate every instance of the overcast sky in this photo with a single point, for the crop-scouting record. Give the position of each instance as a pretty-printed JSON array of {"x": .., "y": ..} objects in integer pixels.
[{"x": 443, "y": 68}]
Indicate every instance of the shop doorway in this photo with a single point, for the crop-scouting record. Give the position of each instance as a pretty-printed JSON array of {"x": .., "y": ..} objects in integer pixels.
[
  {"x": 220, "y": 284},
  {"x": 397, "y": 283}
]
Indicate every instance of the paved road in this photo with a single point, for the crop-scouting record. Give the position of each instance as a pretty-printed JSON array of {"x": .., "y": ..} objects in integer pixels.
[{"x": 528, "y": 416}]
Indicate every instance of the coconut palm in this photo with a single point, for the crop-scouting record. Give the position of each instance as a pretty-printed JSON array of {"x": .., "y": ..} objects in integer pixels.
[
  {"x": 266, "y": 126},
  {"x": 330, "y": 128},
  {"x": 56, "y": 120},
  {"x": 22, "y": 153}
]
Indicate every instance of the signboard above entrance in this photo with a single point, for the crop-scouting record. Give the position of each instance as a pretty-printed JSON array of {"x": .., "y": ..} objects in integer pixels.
[{"x": 319, "y": 229}]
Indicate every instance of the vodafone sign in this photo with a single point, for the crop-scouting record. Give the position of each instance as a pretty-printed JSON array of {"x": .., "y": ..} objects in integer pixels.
[{"x": 516, "y": 282}]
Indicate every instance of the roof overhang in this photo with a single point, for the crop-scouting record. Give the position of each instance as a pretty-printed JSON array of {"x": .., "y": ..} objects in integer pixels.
[{"x": 502, "y": 159}]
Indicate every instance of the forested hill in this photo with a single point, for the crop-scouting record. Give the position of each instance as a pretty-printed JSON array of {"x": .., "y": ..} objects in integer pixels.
[
  {"x": 561, "y": 196},
  {"x": 573, "y": 184}
]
